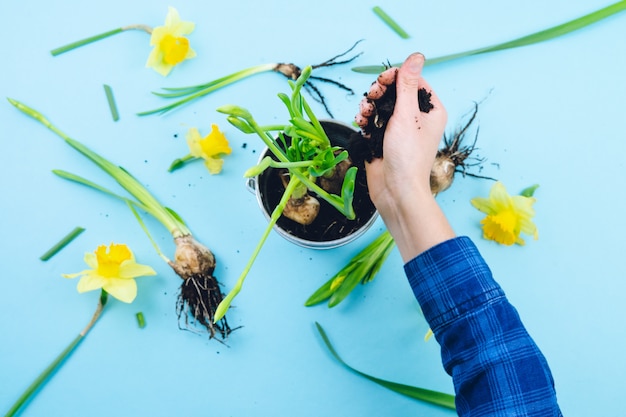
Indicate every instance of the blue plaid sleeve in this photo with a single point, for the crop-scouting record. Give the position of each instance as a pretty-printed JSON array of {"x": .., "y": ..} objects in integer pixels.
[{"x": 495, "y": 365}]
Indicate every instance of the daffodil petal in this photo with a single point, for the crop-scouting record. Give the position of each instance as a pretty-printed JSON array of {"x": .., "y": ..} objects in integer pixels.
[
  {"x": 123, "y": 289},
  {"x": 90, "y": 281},
  {"x": 214, "y": 165},
  {"x": 91, "y": 260},
  {"x": 78, "y": 274},
  {"x": 193, "y": 141},
  {"x": 483, "y": 204},
  {"x": 131, "y": 269}
]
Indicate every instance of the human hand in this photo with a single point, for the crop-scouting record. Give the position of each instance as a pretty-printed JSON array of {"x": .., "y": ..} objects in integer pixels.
[{"x": 399, "y": 182}]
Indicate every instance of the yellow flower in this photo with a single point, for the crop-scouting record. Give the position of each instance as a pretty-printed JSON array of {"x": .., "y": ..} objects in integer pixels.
[
  {"x": 114, "y": 271},
  {"x": 507, "y": 216},
  {"x": 210, "y": 148},
  {"x": 171, "y": 47}
]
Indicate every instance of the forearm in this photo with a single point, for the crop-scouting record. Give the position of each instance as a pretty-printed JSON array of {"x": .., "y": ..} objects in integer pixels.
[
  {"x": 495, "y": 365},
  {"x": 417, "y": 224}
]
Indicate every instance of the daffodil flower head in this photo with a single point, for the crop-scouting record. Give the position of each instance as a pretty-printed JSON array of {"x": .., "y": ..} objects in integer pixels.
[
  {"x": 114, "y": 270},
  {"x": 210, "y": 148},
  {"x": 171, "y": 47},
  {"x": 507, "y": 216}
]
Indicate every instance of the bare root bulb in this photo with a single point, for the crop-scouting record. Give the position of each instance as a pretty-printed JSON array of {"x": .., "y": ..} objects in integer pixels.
[
  {"x": 453, "y": 157},
  {"x": 442, "y": 174},
  {"x": 334, "y": 181},
  {"x": 292, "y": 72},
  {"x": 302, "y": 210},
  {"x": 199, "y": 293}
]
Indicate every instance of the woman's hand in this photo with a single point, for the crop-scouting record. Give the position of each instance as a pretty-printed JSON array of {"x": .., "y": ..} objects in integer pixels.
[{"x": 399, "y": 183}]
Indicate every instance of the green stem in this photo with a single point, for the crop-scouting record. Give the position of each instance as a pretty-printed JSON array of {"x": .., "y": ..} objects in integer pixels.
[
  {"x": 95, "y": 38},
  {"x": 178, "y": 163},
  {"x": 58, "y": 361},
  {"x": 278, "y": 211}
]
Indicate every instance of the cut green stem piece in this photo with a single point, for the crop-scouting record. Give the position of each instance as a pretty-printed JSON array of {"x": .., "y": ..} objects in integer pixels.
[
  {"x": 47, "y": 373},
  {"x": 390, "y": 22},
  {"x": 95, "y": 38},
  {"x": 533, "y": 38},
  {"x": 111, "y": 100},
  {"x": 62, "y": 243},
  {"x": 430, "y": 396},
  {"x": 141, "y": 321}
]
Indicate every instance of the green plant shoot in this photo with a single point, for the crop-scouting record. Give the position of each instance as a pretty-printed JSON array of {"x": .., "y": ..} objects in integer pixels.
[{"x": 305, "y": 151}]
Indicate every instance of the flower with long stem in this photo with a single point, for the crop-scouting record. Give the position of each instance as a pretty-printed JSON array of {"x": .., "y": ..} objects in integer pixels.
[
  {"x": 113, "y": 271},
  {"x": 193, "y": 262},
  {"x": 210, "y": 148},
  {"x": 184, "y": 95},
  {"x": 507, "y": 216},
  {"x": 170, "y": 44}
]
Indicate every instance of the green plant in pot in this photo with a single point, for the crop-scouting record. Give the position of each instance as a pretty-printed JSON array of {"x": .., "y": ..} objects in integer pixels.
[{"x": 308, "y": 186}]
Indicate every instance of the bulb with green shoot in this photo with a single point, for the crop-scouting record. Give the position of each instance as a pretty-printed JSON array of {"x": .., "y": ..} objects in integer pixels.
[
  {"x": 185, "y": 95},
  {"x": 199, "y": 293},
  {"x": 310, "y": 166}
]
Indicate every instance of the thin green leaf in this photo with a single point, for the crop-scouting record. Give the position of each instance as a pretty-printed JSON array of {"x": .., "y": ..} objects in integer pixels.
[
  {"x": 533, "y": 38},
  {"x": 390, "y": 22},
  {"x": 430, "y": 396},
  {"x": 62, "y": 243}
]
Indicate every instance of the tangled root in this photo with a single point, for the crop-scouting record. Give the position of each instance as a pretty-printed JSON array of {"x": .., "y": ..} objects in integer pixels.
[
  {"x": 199, "y": 297},
  {"x": 292, "y": 72}
]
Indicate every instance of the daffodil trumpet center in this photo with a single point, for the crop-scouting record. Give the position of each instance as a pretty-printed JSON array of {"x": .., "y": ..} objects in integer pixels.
[{"x": 175, "y": 49}]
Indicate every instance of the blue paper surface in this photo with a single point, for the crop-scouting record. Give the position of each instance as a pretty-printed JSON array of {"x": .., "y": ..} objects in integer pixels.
[{"x": 550, "y": 114}]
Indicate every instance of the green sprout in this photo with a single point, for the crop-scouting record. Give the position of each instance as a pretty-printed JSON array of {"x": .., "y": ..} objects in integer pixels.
[
  {"x": 184, "y": 95},
  {"x": 533, "y": 38},
  {"x": 305, "y": 152},
  {"x": 193, "y": 262}
]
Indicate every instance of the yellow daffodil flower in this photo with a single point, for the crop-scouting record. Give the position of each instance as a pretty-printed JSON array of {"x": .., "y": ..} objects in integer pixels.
[
  {"x": 209, "y": 148},
  {"x": 114, "y": 270},
  {"x": 507, "y": 216},
  {"x": 171, "y": 47}
]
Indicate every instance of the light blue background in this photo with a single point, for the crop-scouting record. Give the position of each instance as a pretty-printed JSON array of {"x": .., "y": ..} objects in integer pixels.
[{"x": 553, "y": 115}]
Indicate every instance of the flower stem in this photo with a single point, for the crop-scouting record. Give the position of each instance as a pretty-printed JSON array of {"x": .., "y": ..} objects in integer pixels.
[
  {"x": 225, "y": 303},
  {"x": 178, "y": 163},
  {"x": 70, "y": 46},
  {"x": 58, "y": 361}
]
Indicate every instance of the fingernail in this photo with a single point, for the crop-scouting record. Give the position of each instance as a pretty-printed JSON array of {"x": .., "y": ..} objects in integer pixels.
[{"x": 416, "y": 62}]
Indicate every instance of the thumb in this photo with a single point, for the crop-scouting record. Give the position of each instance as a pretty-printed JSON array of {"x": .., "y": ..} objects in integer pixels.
[{"x": 408, "y": 83}]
